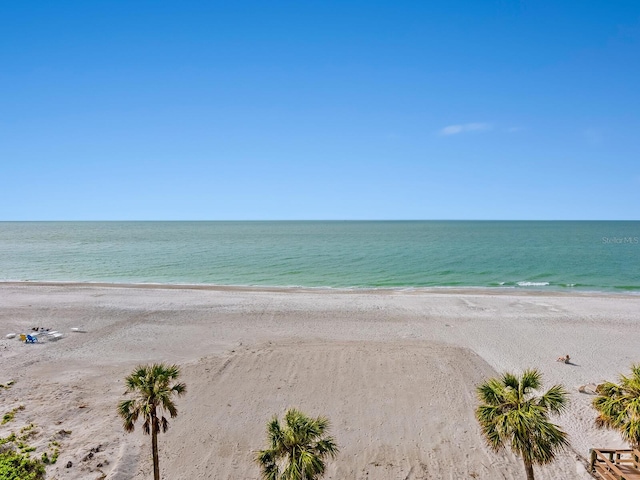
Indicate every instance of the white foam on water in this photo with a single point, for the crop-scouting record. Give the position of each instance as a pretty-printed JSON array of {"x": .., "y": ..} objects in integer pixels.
[{"x": 533, "y": 284}]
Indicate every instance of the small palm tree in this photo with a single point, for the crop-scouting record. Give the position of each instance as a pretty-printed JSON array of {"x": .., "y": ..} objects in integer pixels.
[
  {"x": 618, "y": 406},
  {"x": 510, "y": 415},
  {"x": 153, "y": 392},
  {"x": 298, "y": 449}
]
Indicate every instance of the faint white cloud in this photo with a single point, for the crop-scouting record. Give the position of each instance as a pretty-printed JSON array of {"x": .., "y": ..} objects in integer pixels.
[
  {"x": 514, "y": 129},
  {"x": 464, "y": 127}
]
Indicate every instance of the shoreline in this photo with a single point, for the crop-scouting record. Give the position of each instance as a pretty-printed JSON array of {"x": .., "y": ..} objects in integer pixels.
[{"x": 453, "y": 290}]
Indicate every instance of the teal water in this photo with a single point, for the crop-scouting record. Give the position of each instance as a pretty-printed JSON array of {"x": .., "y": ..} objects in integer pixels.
[{"x": 600, "y": 256}]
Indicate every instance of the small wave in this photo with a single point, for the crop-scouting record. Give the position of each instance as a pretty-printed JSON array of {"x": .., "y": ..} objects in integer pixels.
[{"x": 532, "y": 284}]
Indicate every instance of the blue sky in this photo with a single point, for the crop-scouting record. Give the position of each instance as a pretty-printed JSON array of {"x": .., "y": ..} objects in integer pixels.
[{"x": 319, "y": 110}]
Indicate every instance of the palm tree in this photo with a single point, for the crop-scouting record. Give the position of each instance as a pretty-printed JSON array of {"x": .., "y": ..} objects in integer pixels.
[
  {"x": 618, "y": 406},
  {"x": 153, "y": 394},
  {"x": 510, "y": 415},
  {"x": 298, "y": 449}
]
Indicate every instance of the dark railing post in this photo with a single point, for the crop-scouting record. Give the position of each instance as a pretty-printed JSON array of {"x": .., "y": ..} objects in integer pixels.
[{"x": 593, "y": 460}]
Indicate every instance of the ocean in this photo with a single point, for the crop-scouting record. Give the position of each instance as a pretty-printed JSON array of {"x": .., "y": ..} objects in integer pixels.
[{"x": 559, "y": 255}]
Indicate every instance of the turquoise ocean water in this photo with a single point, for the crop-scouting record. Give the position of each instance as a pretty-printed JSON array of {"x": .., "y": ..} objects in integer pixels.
[{"x": 599, "y": 256}]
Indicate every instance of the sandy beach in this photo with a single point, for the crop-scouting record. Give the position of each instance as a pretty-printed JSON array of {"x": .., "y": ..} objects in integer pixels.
[{"x": 395, "y": 372}]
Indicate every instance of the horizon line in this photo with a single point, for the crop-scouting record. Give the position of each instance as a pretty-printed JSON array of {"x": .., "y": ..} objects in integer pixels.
[{"x": 331, "y": 220}]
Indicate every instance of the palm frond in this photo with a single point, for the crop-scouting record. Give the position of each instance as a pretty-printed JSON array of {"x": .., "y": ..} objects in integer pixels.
[
  {"x": 179, "y": 389},
  {"x": 618, "y": 406},
  {"x": 531, "y": 380},
  {"x": 164, "y": 425},
  {"x": 556, "y": 399},
  {"x": 510, "y": 380},
  {"x": 129, "y": 412},
  {"x": 267, "y": 461},
  {"x": 327, "y": 447},
  {"x": 492, "y": 392},
  {"x": 146, "y": 426}
]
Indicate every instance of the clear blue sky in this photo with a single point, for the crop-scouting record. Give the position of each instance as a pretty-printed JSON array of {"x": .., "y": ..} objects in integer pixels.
[{"x": 220, "y": 110}]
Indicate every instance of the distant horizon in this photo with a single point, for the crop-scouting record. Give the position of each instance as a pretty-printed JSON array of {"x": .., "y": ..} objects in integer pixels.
[{"x": 332, "y": 220}]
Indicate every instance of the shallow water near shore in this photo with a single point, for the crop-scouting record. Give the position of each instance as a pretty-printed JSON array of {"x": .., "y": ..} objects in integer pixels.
[{"x": 559, "y": 255}]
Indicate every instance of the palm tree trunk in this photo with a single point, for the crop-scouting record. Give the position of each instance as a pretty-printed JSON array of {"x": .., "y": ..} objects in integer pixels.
[
  {"x": 528, "y": 467},
  {"x": 154, "y": 446}
]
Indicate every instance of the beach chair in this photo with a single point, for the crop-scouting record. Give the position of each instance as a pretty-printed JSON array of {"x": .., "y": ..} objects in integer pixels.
[{"x": 31, "y": 339}]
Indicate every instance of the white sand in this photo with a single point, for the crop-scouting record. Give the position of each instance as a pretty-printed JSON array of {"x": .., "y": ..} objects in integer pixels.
[{"x": 395, "y": 371}]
